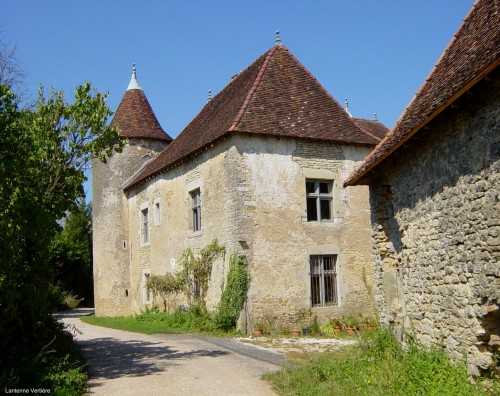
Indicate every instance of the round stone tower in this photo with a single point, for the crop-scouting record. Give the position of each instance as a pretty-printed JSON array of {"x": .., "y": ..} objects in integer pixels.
[{"x": 145, "y": 139}]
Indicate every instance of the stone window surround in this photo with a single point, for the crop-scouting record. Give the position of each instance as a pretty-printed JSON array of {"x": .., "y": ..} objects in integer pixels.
[
  {"x": 142, "y": 242},
  {"x": 322, "y": 174},
  {"x": 318, "y": 198},
  {"x": 191, "y": 187}
]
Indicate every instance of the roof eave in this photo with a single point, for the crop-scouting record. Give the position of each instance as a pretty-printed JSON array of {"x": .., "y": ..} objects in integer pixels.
[{"x": 362, "y": 173}]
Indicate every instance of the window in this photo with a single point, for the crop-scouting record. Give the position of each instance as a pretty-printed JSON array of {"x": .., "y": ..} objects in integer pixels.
[
  {"x": 145, "y": 225},
  {"x": 319, "y": 200},
  {"x": 157, "y": 213},
  {"x": 324, "y": 281},
  {"x": 196, "y": 209}
]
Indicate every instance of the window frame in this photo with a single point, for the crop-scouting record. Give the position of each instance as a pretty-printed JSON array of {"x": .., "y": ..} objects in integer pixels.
[
  {"x": 196, "y": 209},
  {"x": 319, "y": 197},
  {"x": 145, "y": 227},
  {"x": 324, "y": 283}
]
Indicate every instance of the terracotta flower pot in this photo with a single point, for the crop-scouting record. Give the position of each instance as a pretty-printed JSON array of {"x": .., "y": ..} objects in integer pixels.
[
  {"x": 350, "y": 330},
  {"x": 296, "y": 333},
  {"x": 257, "y": 332},
  {"x": 337, "y": 329}
]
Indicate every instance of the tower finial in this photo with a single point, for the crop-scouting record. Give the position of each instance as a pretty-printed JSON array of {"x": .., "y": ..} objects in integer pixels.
[
  {"x": 209, "y": 95},
  {"x": 277, "y": 40},
  {"x": 346, "y": 102},
  {"x": 134, "y": 84},
  {"x": 376, "y": 116}
]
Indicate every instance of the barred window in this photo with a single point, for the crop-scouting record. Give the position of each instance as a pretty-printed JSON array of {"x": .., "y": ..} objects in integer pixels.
[
  {"x": 324, "y": 281},
  {"x": 319, "y": 200}
]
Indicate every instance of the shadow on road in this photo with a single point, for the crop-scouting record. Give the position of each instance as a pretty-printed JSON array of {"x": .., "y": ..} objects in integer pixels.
[{"x": 112, "y": 358}]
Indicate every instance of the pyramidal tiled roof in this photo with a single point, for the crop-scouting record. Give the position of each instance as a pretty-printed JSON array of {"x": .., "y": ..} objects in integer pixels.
[
  {"x": 276, "y": 95},
  {"x": 473, "y": 52},
  {"x": 135, "y": 117}
]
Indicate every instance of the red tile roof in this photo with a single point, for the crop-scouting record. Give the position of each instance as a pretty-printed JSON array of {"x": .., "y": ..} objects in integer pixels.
[
  {"x": 135, "y": 118},
  {"x": 472, "y": 53},
  {"x": 276, "y": 95},
  {"x": 372, "y": 127}
]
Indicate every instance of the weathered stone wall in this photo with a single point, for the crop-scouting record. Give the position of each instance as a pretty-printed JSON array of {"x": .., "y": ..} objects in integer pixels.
[
  {"x": 436, "y": 230},
  {"x": 253, "y": 201},
  {"x": 280, "y": 240},
  {"x": 213, "y": 173},
  {"x": 110, "y": 225}
]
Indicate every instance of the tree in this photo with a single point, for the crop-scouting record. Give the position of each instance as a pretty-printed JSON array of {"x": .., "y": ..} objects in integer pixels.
[
  {"x": 44, "y": 152},
  {"x": 71, "y": 254},
  {"x": 166, "y": 286},
  {"x": 11, "y": 73}
]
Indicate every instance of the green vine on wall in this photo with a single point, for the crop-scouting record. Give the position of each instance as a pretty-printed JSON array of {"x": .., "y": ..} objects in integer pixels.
[
  {"x": 197, "y": 270},
  {"x": 234, "y": 295}
]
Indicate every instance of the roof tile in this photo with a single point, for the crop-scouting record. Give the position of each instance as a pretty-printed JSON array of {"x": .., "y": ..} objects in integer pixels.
[
  {"x": 276, "y": 95},
  {"x": 135, "y": 118},
  {"x": 472, "y": 53}
]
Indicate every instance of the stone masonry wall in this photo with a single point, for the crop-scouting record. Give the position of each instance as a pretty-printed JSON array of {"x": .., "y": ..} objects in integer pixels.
[
  {"x": 253, "y": 201},
  {"x": 436, "y": 230},
  {"x": 111, "y": 250},
  {"x": 280, "y": 240},
  {"x": 213, "y": 173}
]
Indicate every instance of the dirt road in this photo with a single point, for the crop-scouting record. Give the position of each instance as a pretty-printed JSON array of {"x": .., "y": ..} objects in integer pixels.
[{"x": 124, "y": 363}]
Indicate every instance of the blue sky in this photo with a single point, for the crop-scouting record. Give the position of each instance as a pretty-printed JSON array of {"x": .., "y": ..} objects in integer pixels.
[{"x": 376, "y": 53}]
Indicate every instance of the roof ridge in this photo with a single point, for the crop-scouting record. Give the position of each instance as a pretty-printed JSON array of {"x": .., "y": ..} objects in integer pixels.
[
  {"x": 254, "y": 87},
  {"x": 328, "y": 93}
]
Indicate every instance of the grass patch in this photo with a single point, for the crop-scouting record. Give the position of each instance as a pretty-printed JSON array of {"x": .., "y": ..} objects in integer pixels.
[
  {"x": 153, "y": 321},
  {"x": 379, "y": 366}
]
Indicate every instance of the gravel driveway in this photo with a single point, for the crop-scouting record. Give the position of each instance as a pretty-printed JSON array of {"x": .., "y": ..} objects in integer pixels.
[{"x": 124, "y": 363}]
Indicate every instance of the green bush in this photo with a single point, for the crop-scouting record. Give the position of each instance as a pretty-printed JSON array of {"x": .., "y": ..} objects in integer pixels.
[{"x": 378, "y": 365}]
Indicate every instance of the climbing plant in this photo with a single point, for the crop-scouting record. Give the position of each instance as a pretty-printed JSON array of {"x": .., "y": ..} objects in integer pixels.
[
  {"x": 197, "y": 270},
  {"x": 234, "y": 295}
]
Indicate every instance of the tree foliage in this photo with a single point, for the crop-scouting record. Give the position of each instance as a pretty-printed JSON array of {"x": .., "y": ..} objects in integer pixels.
[
  {"x": 166, "y": 286},
  {"x": 43, "y": 154},
  {"x": 71, "y": 254}
]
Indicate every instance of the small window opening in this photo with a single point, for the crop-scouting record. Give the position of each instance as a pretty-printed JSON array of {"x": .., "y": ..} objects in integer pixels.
[
  {"x": 319, "y": 200},
  {"x": 196, "y": 209}
]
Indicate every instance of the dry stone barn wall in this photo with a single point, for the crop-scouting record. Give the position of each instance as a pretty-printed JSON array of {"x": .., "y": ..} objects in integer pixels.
[
  {"x": 253, "y": 201},
  {"x": 436, "y": 231}
]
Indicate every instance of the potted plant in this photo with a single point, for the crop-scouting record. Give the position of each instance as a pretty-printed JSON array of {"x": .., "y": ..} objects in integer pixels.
[
  {"x": 350, "y": 324},
  {"x": 336, "y": 325},
  {"x": 371, "y": 322},
  {"x": 258, "y": 329},
  {"x": 305, "y": 319}
]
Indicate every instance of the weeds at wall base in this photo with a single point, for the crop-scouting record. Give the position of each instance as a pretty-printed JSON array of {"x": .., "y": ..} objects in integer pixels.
[{"x": 379, "y": 366}]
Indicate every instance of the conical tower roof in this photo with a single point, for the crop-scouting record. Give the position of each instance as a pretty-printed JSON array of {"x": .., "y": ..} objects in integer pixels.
[
  {"x": 276, "y": 95},
  {"x": 135, "y": 117}
]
